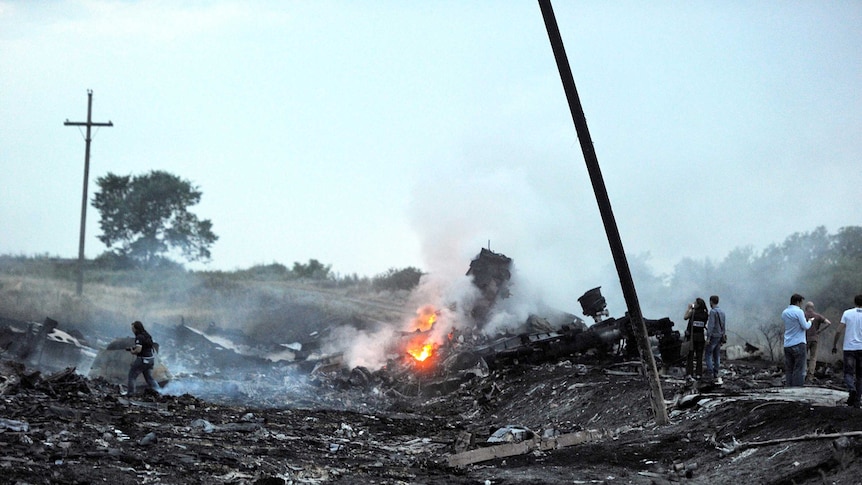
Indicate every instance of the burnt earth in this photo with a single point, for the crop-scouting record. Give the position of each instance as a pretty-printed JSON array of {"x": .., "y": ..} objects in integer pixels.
[{"x": 66, "y": 429}]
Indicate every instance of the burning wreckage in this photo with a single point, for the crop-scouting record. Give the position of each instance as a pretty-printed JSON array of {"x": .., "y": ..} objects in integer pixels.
[
  {"x": 431, "y": 357},
  {"x": 551, "y": 338}
]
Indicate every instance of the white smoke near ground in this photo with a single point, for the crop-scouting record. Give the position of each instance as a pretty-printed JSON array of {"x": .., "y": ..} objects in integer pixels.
[
  {"x": 510, "y": 314},
  {"x": 366, "y": 348},
  {"x": 445, "y": 300},
  {"x": 532, "y": 207},
  {"x": 551, "y": 231},
  {"x": 452, "y": 295}
]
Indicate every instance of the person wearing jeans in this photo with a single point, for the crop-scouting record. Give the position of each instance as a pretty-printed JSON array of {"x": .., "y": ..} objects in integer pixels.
[
  {"x": 851, "y": 328},
  {"x": 715, "y": 330},
  {"x": 144, "y": 352},
  {"x": 795, "y": 352}
]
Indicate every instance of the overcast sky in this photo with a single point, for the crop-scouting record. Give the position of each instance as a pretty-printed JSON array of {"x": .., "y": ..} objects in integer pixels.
[{"x": 387, "y": 134}]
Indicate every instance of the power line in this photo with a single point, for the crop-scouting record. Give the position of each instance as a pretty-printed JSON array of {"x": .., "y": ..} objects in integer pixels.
[{"x": 88, "y": 138}]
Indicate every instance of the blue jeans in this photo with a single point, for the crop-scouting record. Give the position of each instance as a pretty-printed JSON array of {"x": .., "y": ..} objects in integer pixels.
[
  {"x": 853, "y": 371},
  {"x": 713, "y": 356},
  {"x": 794, "y": 364},
  {"x": 142, "y": 365}
]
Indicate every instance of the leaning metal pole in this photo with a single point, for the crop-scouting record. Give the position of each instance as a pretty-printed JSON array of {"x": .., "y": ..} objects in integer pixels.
[{"x": 628, "y": 287}]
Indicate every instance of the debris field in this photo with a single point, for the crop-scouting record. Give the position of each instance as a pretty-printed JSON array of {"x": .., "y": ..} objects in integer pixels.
[{"x": 565, "y": 422}]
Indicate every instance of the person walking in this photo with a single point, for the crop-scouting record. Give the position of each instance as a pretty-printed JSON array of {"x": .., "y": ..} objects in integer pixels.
[
  {"x": 144, "y": 358},
  {"x": 697, "y": 314},
  {"x": 819, "y": 323},
  {"x": 851, "y": 327},
  {"x": 795, "y": 326},
  {"x": 716, "y": 328}
]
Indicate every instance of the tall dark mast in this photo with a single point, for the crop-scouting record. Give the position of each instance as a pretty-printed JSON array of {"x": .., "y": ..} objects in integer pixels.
[{"x": 89, "y": 124}]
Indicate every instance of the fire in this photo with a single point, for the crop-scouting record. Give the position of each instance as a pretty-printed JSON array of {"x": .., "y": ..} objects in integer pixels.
[
  {"x": 422, "y": 344},
  {"x": 425, "y": 318},
  {"x": 421, "y": 353}
]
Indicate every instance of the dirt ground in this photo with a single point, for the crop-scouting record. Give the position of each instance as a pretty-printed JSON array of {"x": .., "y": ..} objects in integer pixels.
[{"x": 66, "y": 429}]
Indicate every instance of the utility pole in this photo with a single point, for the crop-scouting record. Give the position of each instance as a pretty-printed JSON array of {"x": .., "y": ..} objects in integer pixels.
[
  {"x": 89, "y": 124},
  {"x": 613, "y": 234}
]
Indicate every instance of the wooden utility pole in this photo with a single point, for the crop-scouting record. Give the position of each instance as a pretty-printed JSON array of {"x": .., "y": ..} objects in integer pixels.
[
  {"x": 89, "y": 124},
  {"x": 628, "y": 287}
]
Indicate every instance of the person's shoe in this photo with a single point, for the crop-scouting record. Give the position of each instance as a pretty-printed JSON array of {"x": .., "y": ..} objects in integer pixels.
[{"x": 719, "y": 381}]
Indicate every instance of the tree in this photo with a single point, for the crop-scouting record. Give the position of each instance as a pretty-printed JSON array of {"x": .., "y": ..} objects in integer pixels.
[
  {"x": 395, "y": 279},
  {"x": 147, "y": 216},
  {"x": 314, "y": 270},
  {"x": 773, "y": 333}
]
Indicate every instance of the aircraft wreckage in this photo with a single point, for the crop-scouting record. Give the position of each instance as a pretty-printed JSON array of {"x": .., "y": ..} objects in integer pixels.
[{"x": 422, "y": 359}]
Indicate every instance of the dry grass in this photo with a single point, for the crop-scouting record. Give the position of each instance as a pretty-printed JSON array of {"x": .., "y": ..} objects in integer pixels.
[{"x": 265, "y": 309}]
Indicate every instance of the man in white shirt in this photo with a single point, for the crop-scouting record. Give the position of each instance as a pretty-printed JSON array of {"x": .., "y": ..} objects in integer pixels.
[
  {"x": 851, "y": 328},
  {"x": 795, "y": 326}
]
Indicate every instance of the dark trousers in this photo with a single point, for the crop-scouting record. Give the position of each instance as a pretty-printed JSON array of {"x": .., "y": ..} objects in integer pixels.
[
  {"x": 853, "y": 373},
  {"x": 142, "y": 365},
  {"x": 695, "y": 355},
  {"x": 794, "y": 365},
  {"x": 812, "y": 358}
]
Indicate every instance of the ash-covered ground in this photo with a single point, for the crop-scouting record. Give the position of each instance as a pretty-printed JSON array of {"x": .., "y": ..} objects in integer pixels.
[
  {"x": 590, "y": 421},
  {"x": 469, "y": 390}
]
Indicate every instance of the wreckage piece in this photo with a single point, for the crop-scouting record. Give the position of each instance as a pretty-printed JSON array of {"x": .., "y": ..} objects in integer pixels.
[
  {"x": 609, "y": 331},
  {"x": 524, "y": 447},
  {"x": 112, "y": 364},
  {"x": 491, "y": 273},
  {"x": 44, "y": 346},
  {"x": 593, "y": 304},
  {"x": 511, "y": 434},
  {"x": 736, "y": 446},
  {"x": 570, "y": 340}
]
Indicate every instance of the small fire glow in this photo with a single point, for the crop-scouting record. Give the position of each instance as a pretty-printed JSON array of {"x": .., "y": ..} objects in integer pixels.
[
  {"x": 422, "y": 346},
  {"x": 425, "y": 318},
  {"x": 421, "y": 353}
]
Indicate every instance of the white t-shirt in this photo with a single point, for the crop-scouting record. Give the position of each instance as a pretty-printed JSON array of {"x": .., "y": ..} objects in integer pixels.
[{"x": 853, "y": 335}]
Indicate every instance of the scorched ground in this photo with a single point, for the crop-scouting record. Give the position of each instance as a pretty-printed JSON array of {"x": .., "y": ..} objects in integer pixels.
[{"x": 64, "y": 428}]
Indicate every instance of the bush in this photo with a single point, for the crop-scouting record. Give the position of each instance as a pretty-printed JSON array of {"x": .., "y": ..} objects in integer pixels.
[{"x": 402, "y": 279}]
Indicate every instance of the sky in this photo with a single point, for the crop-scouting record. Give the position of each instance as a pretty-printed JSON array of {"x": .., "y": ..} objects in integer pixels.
[{"x": 388, "y": 134}]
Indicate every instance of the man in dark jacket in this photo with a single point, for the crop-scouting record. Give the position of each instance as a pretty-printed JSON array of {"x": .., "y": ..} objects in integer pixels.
[{"x": 145, "y": 358}]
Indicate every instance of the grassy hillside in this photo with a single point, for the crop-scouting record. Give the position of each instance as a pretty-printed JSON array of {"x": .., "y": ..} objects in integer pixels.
[{"x": 262, "y": 307}]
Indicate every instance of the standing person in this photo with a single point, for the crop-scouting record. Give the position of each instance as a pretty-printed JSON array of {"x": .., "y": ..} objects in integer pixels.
[
  {"x": 795, "y": 326},
  {"x": 697, "y": 315},
  {"x": 811, "y": 335},
  {"x": 145, "y": 358},
  {"x": 851, "y": 320},
  {"x": 716, "y": 327}
]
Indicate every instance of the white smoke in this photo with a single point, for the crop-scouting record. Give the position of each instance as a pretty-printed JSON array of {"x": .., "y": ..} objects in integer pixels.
[
  {"x": 510, "y": 314},
  {"x": 361, "y": 348}
]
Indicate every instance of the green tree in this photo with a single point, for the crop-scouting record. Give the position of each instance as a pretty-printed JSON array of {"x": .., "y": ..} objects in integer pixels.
[
  {"x": 314, "y": 270},
  {"x": 144, "y": 217},
  {"x": 397, "y": 279}
]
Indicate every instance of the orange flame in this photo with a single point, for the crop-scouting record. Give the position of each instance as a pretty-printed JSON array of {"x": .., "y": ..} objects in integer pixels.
[
  {"x": 421, "y": 353},
  {"x": 425, "y": 318},
  {"x": 422, "y": 345}
]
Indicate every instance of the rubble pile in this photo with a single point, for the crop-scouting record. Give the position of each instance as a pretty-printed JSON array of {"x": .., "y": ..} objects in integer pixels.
[
  {"x": 548, "y": 423},
  {"x": 64, "y": 428},
  {"x": 549, "y": 400}
]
